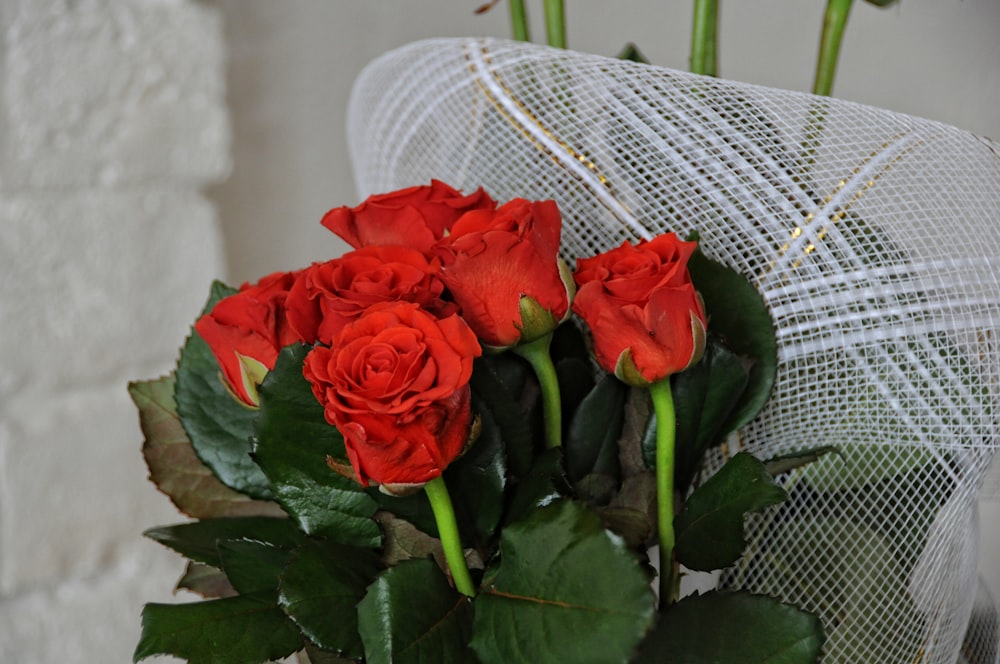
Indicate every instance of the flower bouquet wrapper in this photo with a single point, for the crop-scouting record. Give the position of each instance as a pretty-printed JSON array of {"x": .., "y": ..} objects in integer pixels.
[{"x": 870, "y": 235}]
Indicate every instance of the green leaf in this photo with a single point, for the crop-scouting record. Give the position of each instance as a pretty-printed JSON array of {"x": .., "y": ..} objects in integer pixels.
[
  {"x": 788, "y": 462},
  {"x": 489, "y": 387},
  {"x": 733, "y": 628},
  {"x": 632, "y": 53},
  {"x": 710, "y": 529},
  {"x": 218, "y": 291},
  {"x": 638, "y": 486},
  {"x": 513, "y": 372},
  {"x": 632, "y": 525},
  {"x": 850, "y": 583},
  {"x": 592, "y": 440},
  {"x": 569, "y": 342},
  {"x": 544, "y": 484},
  {"x": 737, "y": 314},
  {"x": 403, "y": 541},
  {"x": 632, "y": 513},
  {"x": 252, "y": 566},
  {"x": 293, "y": 440},
  {"x": 857, "y": 466},
  {"x": 565, "y": 590},
  {"x": 412, "y": 615},
  {"x": 477, "y": 480},
  {"x": 218, "y": 425},
  {"x": 234, "y": 630},
  {"x": 415, "y": 509},
  {"x": 315, "y": 655},
  {"x": 320, "y": 589},
  {"x": 173, "y": 465},
  {"x": 199, "y": 540},
  {"x": 205, "y": 580},
  {"x": 576, "y": 380},
  {"x": 704, "y": 397}
]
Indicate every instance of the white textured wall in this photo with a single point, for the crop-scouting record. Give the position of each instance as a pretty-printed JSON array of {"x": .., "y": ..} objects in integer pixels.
[{"x": 112, "y": 117}]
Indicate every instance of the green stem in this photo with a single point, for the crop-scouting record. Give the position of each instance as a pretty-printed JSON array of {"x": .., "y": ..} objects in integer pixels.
[
  {"x": 537, "y": 354},
  {"x": 555, "y": 23},
  {"x": 666, "y": 433},
  {"x": 834, "y": 23},
  {"x": 444, "y": 515},
  {"x": 704, "y": 44},
  {"x": 519, "y": 20}
]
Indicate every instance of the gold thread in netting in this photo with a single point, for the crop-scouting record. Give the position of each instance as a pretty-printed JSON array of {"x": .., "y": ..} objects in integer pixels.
[
  {"x": 521, "y": 129},
  {"x": 842, "y": 211}
]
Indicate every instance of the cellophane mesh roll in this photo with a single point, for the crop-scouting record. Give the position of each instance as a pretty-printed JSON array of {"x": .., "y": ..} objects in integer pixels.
[{"x": 873, "y": 238}]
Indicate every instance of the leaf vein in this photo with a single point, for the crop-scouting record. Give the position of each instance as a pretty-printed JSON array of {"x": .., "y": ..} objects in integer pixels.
[{"x": 547, "y": 602}]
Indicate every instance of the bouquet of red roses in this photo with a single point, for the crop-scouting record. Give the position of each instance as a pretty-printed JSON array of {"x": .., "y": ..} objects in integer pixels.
[{"x": 407, "y": 453}]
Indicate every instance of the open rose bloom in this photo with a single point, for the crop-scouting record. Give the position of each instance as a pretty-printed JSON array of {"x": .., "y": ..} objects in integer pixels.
[
  {"x": 415, "y": 217},
  {"x": 327, "y": 296},
  {"x": 492, "y": 260},
  {"x": 395, "y": 383},
  {"x": 645, "y": 314},
  {"x": 245, "y": 332}
]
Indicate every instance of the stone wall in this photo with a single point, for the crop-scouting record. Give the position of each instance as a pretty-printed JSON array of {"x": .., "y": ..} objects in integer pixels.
[{"x": 112, "y": 118}]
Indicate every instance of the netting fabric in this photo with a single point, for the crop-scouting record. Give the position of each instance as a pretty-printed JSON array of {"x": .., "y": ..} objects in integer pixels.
[{"x": 873, "y": 239}]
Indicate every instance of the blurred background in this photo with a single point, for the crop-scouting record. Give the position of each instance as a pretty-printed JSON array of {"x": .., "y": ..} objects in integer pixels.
[{"x": 149, "y": 146}]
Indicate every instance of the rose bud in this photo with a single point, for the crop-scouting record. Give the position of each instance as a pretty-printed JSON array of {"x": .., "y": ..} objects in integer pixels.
[
  {"x": 395, "y": 383},
  {"x": 415, "y": 217},
  {"x": 327, "y": 296},
  {"x": 245, "y": 332},
  {"x": 503, "y": 269},
  {"x": 645, "y": 316}
]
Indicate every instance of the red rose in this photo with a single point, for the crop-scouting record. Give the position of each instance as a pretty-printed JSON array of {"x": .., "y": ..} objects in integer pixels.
[
  {"x": 415, "y": 217},
  {"x": 245, "y": 332},
  {"x": 327, "y": 296},
  {"x": 503, "y": 269},
  {"x": 642, "y": 309},
  {"x": 395, "y": 384}
]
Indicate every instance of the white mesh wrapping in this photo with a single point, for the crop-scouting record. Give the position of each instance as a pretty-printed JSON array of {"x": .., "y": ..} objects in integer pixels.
[{"x": 873, "y": 239}]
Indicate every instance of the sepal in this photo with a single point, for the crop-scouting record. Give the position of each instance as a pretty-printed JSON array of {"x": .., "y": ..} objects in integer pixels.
[{"x": 627, "y": 372}]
